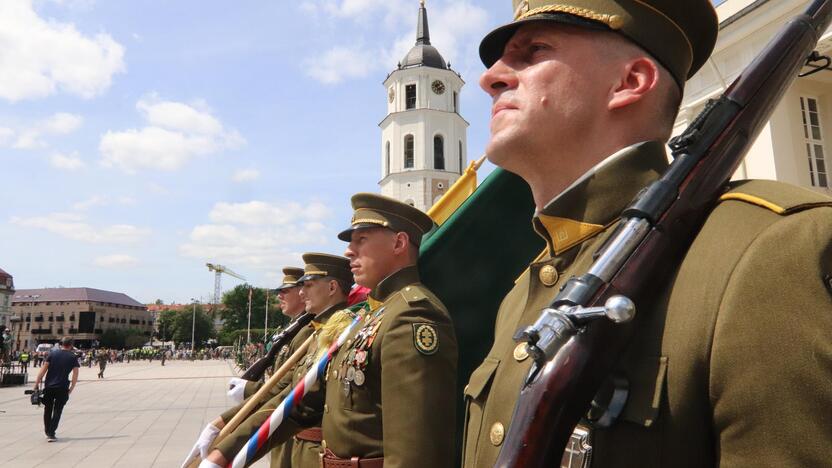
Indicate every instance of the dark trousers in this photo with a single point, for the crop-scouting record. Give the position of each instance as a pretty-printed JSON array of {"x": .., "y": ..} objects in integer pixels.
[{"x": 54, "y": 400}]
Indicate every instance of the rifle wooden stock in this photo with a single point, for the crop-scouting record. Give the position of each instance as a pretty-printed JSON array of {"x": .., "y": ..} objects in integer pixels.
[
  {"x": 258, "y": 369},
  {"x": 553, "y": 402},
  {"x": 254, "y": 401}
]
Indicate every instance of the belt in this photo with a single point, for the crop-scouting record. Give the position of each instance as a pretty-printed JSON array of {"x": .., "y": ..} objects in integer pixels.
[
  {"x": 313, "y": 434},
  {"x": 330, "y": 460}
]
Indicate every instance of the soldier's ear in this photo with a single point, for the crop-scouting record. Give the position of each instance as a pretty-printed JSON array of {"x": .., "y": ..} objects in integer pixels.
[
  {"x": 402, "y": 243},
  {"x": 638, "y": 77}
]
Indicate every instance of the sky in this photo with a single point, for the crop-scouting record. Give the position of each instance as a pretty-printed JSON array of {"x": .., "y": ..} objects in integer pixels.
[{"x": 141, "y": 139}]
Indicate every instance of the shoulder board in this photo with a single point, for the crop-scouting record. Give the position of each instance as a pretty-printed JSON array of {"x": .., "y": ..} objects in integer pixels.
[
  {"x": 414, "y": 294},
  {"x": 778, "y": 197}
]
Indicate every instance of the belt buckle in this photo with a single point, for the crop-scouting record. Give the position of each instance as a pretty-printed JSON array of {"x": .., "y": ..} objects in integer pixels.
[{"x": 578, "y": 452}]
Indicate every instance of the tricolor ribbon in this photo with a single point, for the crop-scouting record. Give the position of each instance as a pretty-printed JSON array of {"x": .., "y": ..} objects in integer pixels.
[{"x": 259, "y": 438}]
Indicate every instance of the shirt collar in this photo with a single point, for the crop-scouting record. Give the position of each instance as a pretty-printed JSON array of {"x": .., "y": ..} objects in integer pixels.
[
  {"x": 321, "y": 318},
  {"x": 393, "y": 283},
  {"x": 599, "y": 196}
]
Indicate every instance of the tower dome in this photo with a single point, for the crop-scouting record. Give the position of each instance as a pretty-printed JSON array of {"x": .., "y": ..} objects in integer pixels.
[{"x": 423, "y": 54}]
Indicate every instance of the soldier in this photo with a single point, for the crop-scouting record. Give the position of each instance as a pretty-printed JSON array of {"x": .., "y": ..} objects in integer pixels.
[
  {"x": 291, "y": 305},
  {"x": 584, "y": 96},
  {"x": 322, "y": 289},
  {"x": 389, "y": 393}
]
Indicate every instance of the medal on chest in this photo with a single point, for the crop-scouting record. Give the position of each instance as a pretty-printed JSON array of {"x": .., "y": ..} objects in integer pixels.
[{"x": 353, "y": 366}]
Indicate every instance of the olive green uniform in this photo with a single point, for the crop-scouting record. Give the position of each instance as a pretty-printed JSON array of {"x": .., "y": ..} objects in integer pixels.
[
  {"x": 403, "y": 407},
  {"x": 238, "y": 438},
  {"x": 731, "y": 360}
]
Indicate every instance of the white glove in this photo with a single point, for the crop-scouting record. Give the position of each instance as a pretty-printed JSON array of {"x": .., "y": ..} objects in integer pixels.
[
  {"x": 203, "y": 443},
  {"x": 208, "y": 464},
  {"x": 238, "y": 389}
]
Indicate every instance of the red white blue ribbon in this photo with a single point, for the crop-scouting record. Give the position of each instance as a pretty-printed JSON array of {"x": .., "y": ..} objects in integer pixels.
[{"x": 259, "y": 438}]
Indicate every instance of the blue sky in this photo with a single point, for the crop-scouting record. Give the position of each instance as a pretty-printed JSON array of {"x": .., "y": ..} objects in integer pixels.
[{"x": 141, "y": 139}]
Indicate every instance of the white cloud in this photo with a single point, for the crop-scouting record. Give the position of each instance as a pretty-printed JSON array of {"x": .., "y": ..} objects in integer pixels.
[
  {"x": 259, "y": 213},
  {"x": 455, "y": 30},
  {"x": 102, "y": 200},
  {"x": 66, "y": 162},
  {"x": 245, "y": 175},
  {"x": 258, "y": 234},
  {"x": 41, "y": 57},
  {"x": 341, "y": 63},
  {"x": 116, "y": 261},
  {"x": 6, "y": 135},
  {"x": 61, "y": 123},
  {"x": 74, "y": 226},
  {"x": 176, "y": 133}
]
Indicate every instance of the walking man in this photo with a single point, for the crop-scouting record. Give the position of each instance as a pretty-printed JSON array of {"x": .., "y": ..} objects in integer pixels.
[
  {"x": 57, "y": 387},
  {"x": 102, "y": 363}
]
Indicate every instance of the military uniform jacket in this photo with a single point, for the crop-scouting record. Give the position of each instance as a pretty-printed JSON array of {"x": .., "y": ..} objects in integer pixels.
[
  {"x": 282, "y": 355},
  {"x": 731, "y": 361},
  {"x": 237, "y": 439},
  {"x": 402, "y": 407}
]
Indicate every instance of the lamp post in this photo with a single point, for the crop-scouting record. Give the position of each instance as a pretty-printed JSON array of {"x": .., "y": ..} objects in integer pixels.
[{"x": 193, "y": 325}]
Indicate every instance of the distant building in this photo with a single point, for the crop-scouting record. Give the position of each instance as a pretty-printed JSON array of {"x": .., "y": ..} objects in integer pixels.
[
  {"x": 792, "y": 146},
  {"x": 46, "y": 315},
  {"x": 6, "y": 292}
]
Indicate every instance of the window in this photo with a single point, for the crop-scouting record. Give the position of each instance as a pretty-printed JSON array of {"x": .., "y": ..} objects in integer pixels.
[
  {"x": 460, "y": 157},
  {"x": 813, "y": 138},
  {"x": 387, "y": 160},
  {"x": 456, "y": 102},
  {"x": 439, "y": 152},
  {"x": 410, "y": 96},
  {"x": 408, "y": 151}
]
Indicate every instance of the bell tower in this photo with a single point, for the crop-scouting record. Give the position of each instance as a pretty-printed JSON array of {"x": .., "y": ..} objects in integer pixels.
[{"x": 423, "y": 136}]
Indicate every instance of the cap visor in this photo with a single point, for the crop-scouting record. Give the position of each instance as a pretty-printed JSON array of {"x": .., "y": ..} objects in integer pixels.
[
  {"x": 493, "y": 44},
  {"x": 307, "y": 278},
  {"x": 346, "y": 234},
  {"x": 286, "y": 286}
]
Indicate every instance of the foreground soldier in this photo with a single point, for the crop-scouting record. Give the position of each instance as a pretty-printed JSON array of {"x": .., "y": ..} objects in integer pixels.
[
  {"x": 585, "y": 94},
  {"x": 325, "y": 284}
]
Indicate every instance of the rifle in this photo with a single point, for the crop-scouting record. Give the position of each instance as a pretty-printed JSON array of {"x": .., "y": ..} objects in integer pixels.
[
  {"x": 256, "y": 371},
  {"x": 573, "y": 351}
]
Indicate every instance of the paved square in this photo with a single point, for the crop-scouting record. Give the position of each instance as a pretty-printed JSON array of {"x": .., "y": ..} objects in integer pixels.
[{"x": 140, "y": 415}]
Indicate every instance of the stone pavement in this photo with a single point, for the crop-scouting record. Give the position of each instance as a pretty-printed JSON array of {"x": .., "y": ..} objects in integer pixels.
[{"x": 139, "y": 415}]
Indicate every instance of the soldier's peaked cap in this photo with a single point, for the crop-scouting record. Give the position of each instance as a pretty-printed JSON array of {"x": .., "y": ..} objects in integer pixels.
[
  {"x": 321, "y": 265},
  {"x": 373, "y": 210},
  {"x": 290, "y": 277},
  {"x": 680, "y": 34}
]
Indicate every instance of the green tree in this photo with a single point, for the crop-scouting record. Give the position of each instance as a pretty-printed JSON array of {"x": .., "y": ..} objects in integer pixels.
[
  {"x": 112, "y": 338},
  {"x": 182, "y": 322},
  {"x": 165, "y": 324},
  {"x": 235, "y": 311}
]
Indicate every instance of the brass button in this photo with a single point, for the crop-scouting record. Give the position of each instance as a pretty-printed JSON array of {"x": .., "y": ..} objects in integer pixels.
[
  {"x": 326, "y": 408},
  {"x": 548, "y": 275},
  {"x": 497, "y": 433},
  {"x": 323, "y": 445},
  {"x": 521, "y": 352}
]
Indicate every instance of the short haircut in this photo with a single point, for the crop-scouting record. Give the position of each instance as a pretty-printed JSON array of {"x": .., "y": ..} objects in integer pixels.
[
  {"x": 66, "y": 341},
  {"x": 345, "y": 286}
]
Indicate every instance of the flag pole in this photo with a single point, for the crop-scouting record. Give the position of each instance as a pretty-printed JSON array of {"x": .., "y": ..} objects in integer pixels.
[{"x": 248, "y": 327}]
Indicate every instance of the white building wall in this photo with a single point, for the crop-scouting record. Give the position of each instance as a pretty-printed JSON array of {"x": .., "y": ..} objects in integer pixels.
[
  {"x": 779, "y": 152},
  {"x": 433, "y": 115}
]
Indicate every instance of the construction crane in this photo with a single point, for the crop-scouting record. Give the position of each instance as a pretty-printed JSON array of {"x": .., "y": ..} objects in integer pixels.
[{"x": 218, "y": 271}]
